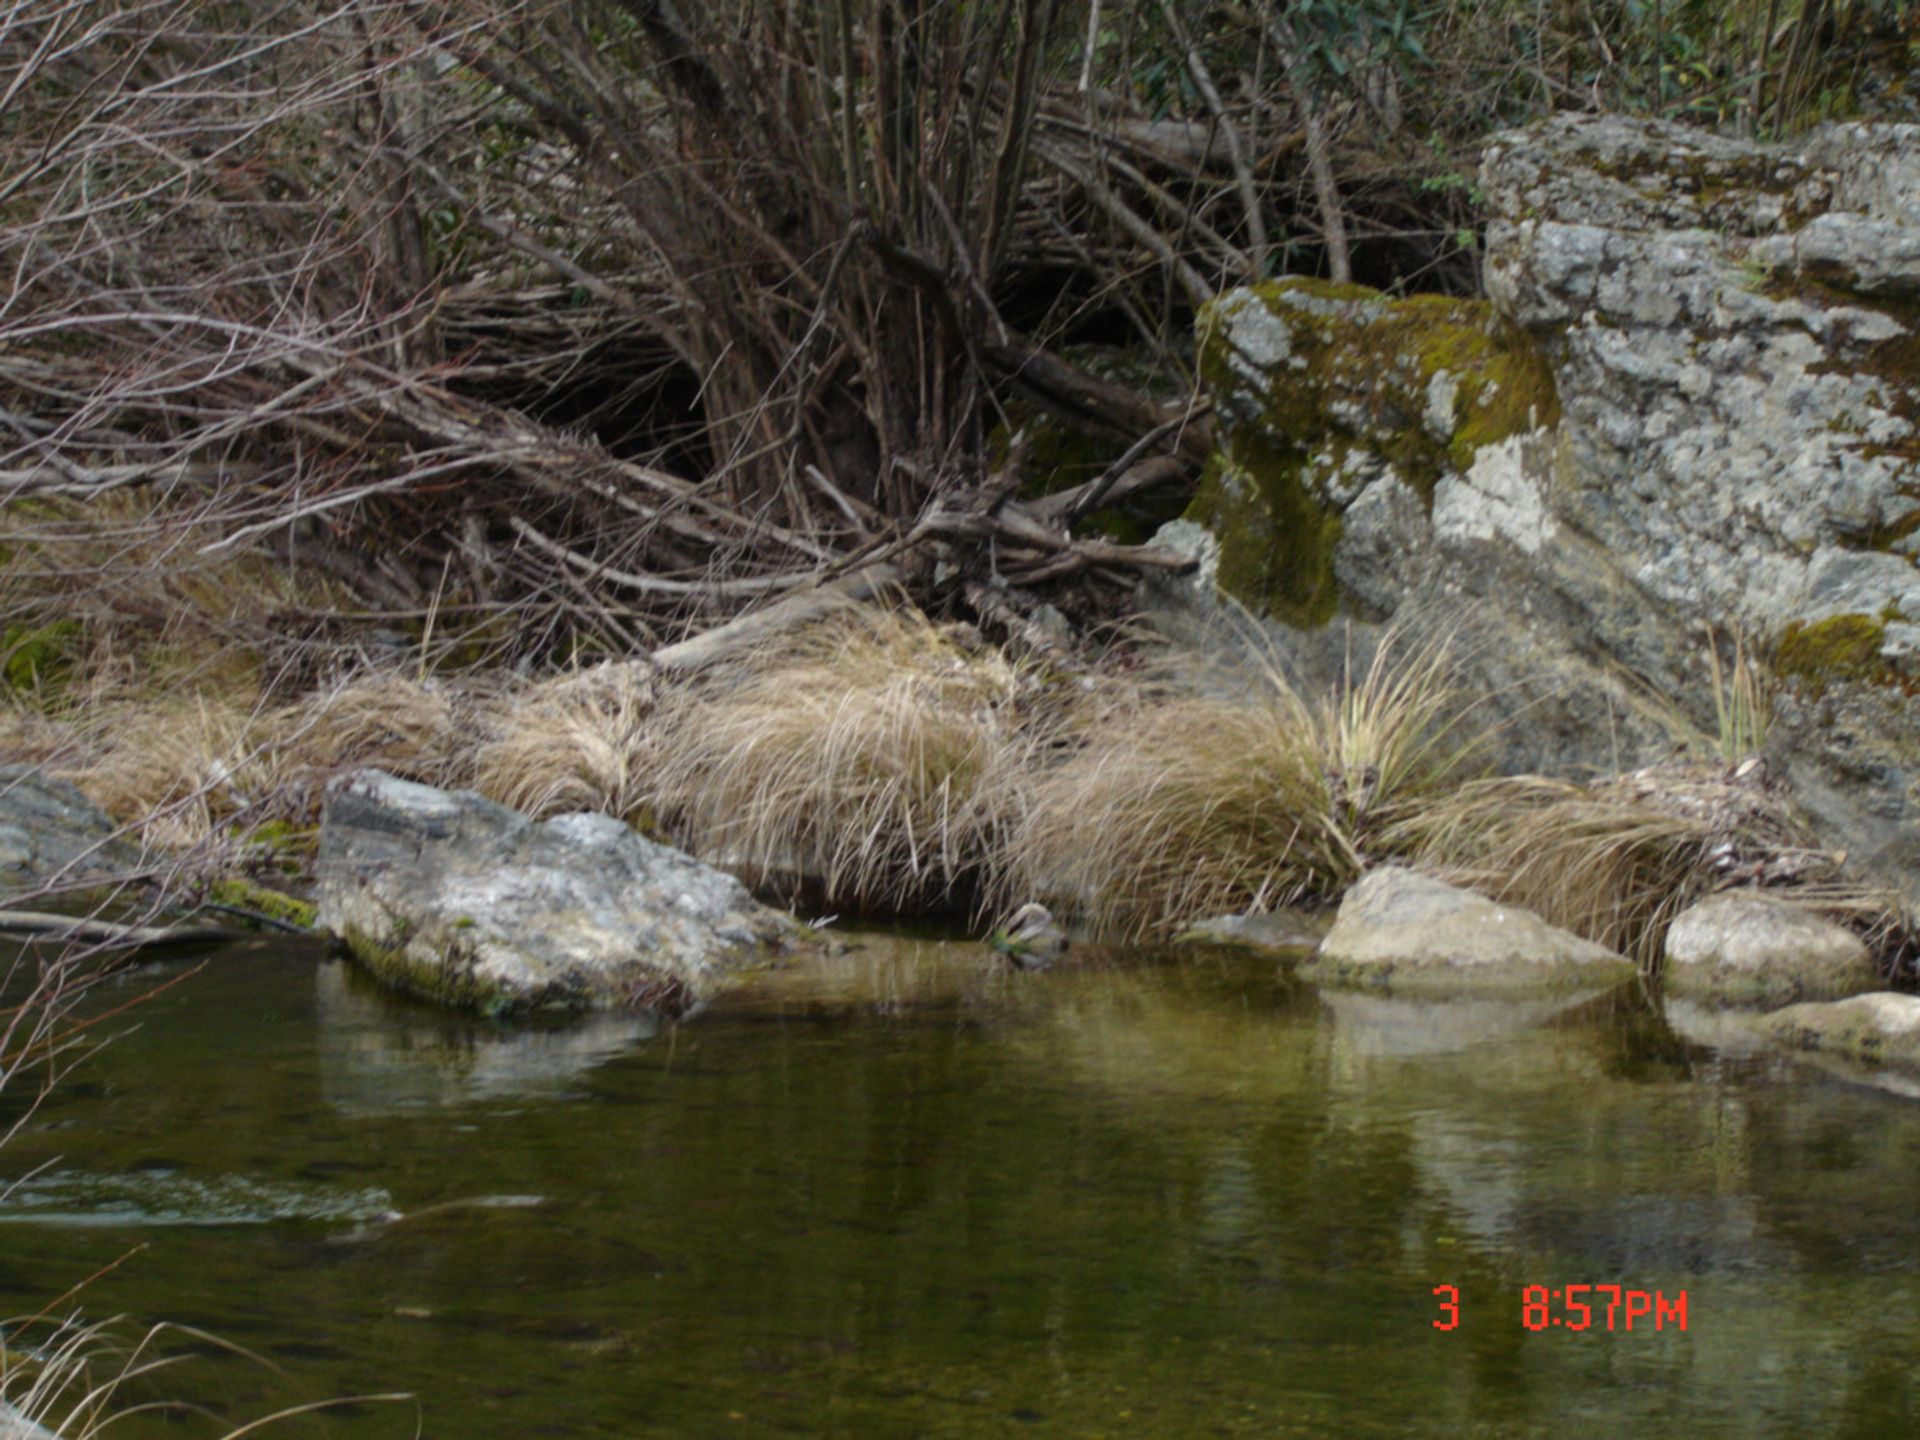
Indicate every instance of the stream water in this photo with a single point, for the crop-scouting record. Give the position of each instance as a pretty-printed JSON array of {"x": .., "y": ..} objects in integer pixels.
[{"x": 1158, "y": 1196}]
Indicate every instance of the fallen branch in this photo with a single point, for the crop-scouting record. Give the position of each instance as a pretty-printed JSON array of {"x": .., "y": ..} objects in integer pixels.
[{"x": 109, "y": 932}]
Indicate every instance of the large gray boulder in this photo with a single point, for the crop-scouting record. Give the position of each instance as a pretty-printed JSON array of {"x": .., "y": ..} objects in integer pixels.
[
  {"x": 1409, "y": 932},
  {"x": 460, "y": 900},
  {"x": 1748, "y": 947},
  {"x": 52, "y": 834},
  {"x": 1881, "y": 1028},
  {"x": 1691, "y": 396}
]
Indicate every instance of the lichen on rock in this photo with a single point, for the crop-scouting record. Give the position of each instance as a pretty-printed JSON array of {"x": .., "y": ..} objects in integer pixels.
[
  {"x": 1691, "y": 399},
  {"x": 453, "y": 898},
  {"x": 1324, "y": 390}
]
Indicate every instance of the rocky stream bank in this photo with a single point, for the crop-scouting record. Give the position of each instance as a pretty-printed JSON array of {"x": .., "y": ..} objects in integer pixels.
[{"x": 1688, "y": 409}]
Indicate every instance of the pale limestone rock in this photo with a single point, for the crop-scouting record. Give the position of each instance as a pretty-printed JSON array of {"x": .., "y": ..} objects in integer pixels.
[
  {"x": 1745, "y": 946},
  {"x": 1881, "y": 1028},
  {"x": 1410, "y": 932}
]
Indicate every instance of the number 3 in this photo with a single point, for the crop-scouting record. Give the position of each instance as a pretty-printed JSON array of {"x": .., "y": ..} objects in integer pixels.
[{"x": 1450, "y": 1304}]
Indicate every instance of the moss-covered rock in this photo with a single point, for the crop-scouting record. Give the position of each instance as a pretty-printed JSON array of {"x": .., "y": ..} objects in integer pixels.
[
  {"x": 1840, "y": 647},
  {"x": 240, "y": 893},
  {"x": 1323, "y": 389}
]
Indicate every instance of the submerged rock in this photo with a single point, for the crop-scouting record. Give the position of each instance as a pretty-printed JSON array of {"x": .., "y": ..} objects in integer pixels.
[
  {"x": 1410, "y": 932},
  {"x": 1691, "y": 395},
  {"x": 1283, "y": 930},
  {"x": 1882, "y": 1028},
  {"x": 1746, "y": 946},
  {"x": 460, "y": 900},
  {"x": 50, "y": 832}
]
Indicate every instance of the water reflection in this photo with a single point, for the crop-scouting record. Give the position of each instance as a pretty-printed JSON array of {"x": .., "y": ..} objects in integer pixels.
[
  {"x": 159, "y": 1196},
  {"x": 913, "y": 1193},
  {"x": 379, "y": 1055}
]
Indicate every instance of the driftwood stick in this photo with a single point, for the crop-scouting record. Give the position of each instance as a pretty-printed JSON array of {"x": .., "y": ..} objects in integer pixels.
[
  {"x": 110, "y": 932},
  {"x": 723, "y": 642}
]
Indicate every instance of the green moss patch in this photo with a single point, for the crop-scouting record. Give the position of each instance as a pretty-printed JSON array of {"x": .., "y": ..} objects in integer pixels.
[
  {"x": 32, "y": 656},
  {"x": 257, "y": 899},
  {"x": 1842, "y": 647},
  {"x": 1423, "y": 383},
  {"x": 1277, "y": 538}
]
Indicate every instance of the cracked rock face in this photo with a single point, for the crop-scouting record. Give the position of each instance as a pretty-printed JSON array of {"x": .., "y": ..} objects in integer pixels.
[
  {"x": 457, "y": 899},
  {"x": 1734, "y": 350},
  {"x": 1692, "y": 397}
]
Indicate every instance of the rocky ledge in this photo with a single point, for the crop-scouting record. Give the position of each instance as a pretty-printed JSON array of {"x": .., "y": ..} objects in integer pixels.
[
  {"x": 1691, "y": 399},
  {"x": 1882, "y": 1028},
  {"x": 459, "y": 900}
]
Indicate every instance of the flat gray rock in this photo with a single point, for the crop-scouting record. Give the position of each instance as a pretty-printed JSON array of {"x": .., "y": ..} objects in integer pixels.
[
  {"x": 457, "y": 899},
  {"x": 51, "y": 833},
  {"x": 1746, "y": 947},
  {"x": 1409, "y": 932},
  {"x": 1882, "y": 1028}
]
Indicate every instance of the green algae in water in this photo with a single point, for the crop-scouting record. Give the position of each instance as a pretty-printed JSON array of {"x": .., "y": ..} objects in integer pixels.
[{"x": 924, "y": 1196}]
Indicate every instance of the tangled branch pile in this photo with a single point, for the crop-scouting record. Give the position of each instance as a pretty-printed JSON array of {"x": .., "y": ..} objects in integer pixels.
[{"x": 538, "y": 325}]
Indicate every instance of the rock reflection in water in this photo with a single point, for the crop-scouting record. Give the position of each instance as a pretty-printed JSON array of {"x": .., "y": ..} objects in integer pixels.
[
  {"x": 380, "y": 1054},
  {"x": 1379, "y": 1025}
]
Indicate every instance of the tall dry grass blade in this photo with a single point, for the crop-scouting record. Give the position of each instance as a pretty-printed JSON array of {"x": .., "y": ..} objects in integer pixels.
[{"x": 1742, "y": 701}]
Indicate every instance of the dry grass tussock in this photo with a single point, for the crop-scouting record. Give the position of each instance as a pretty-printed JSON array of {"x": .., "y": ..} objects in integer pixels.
[
  {"x": 1169, "y": 806},
  {"x": 173, "y": 768},
  {"x": 581, "y": 741},
  {"x": 183, "y": 769},
  {"x": 1617, "y": 860},
  {"x": 117, "y": 589},
  {"x": 872, "y": 750},
  {"x": 416, "y": 728}
]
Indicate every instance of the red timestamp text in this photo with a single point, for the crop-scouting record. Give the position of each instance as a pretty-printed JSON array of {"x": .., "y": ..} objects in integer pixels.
[{"x": 1581, "y": 1307}]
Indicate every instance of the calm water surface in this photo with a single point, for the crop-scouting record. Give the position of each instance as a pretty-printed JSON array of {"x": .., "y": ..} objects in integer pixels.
[{"x": 919, "y": 1197}]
